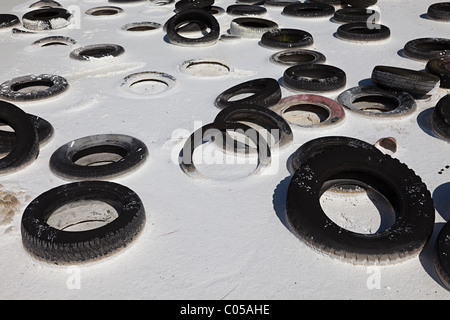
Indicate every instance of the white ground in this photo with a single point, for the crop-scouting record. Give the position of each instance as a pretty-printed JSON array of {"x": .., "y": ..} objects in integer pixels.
[{"x": 209, "y": 239}]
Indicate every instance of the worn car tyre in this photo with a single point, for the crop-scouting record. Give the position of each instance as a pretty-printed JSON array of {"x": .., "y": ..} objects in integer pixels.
[
  {"x": 265, "y": 93},
  {"x": 8, "y": 21},
  {"x": 441, "y": 117},
  {"x": 351, "y": 14},
  {"x": 441, "y": 68},
  {"x": 46, "y": 19},
  {"x": 99, "y": 156},
  {"x": 359, "y": 31},
  {"x": 439, "y": 11},
  {"x": 314, "y": 77},
  {"x": 199, "y": 16},
  {"x": 405, "y": 191},
  {"x": 370, "y": 100},
  {"x": 292, "y": 57},
  {"x": 442, "y": 255},
  {"x": 318, "y": 145},
  {"x": 427, "y": 48},
  {"x": 26, "y": 146},
  {"x": 12, "y": 90},
  {"x": 59, "y": 246},
  {"x": 260, "y": 116},
  {"x": 43, "y": 128},
  {"x": 401, "y": 79},
  {"x": 286, "y": 38}
]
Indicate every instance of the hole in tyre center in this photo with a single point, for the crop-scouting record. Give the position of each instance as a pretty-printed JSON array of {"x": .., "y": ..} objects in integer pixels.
[
  {"x": 238, "y": 96},
  {"x": 98, "y": 52},
  {"x": 363, "y": 30},
  {"x": 46, "y": 14},
  {"x": 32, "y": 86},
  {"x": 254, "y": 24},
  {"x": 99, "y": 155},
  {"x": 149, "y": 86},
  {"x": 313, "y": 74},
  {"x": 376, "y": 103},
  {"x": 296, "y": 57},
  {"x": 192, "y": 29},
  {"x": 217, "y": 159},
  {"x": 358, "y": 208},
  {"x": 433, "y": 46},
  {"x": 104, "y": 12},
  {"x": 306, "y": 114},
  {"x": 82, "y": 215},
  {"x": 288, "y": 37},
  {"x": 50, "y": 44},
  {"x": 142, "y": 28},
  {"x": 207, "y": 68}
]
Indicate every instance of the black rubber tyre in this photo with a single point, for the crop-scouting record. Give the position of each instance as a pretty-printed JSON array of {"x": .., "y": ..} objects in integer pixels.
[
  {"x": 193, "y": 15},
  {"x": 308, "y": 10},
  {"x": 97, "y": 51},
  {"x": 266, "y": 93},
  {"x": 8, "y": 21},
  {"x": 441, "y": 117},
  {"x": 297, "y": 57},
  {"x": 46, "y": 19},
  {"x": 338, "y": 166},
  {"x": 427, "y": 48},
  {"x": 373, "y": 99},
  {"x": 125, "y": 154},
  {"x": 245, "y": 10},
  {"x": 316, "y": 146},
  {"x": 26, "y": 147},
  {"x": 314, "y": 77},
  {"x": 286, "y": 38},
  {"x": 11, "y": 90},
  {"x": 211, "y": 131},
  {"x": 442, "y": 256},
  {"x": 43, "y": 128},
  {"x": 441, "y": 68},
  {"x": 59, "y": 246},
  {"x": 261, "y": 116},
  {"x": 358, "y": 31},
  {"x": 192, "y": 4},
  {"x": 350, "y": 14},
  {"x": 439, "y": 11},
  {"x": 401, "y": 79},
  {"x": 360, "y": 3}
]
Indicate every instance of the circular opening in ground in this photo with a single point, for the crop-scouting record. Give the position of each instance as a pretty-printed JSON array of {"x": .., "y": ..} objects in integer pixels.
[
  {"x": 99, "y": 155},
  {"x": 366, "y": 212},
  {"x": 305, "y": 114},
  {"x": 82, "y": 215},
  {"x": 376, "y": 103}
]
